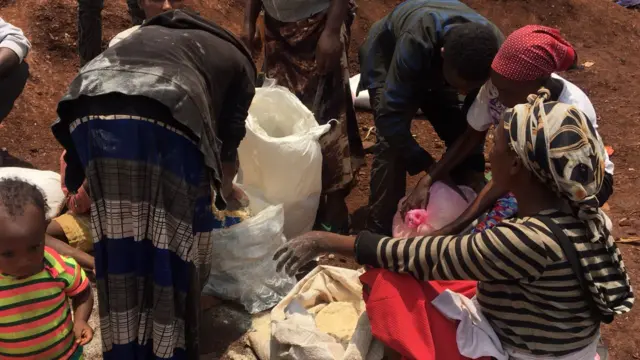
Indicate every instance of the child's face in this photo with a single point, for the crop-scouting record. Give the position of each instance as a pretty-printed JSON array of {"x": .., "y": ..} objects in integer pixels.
[{"x": 22, "y": 242}]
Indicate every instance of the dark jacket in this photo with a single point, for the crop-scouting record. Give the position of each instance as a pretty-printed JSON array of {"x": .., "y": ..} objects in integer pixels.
[
  {"x": 402, "y": 56},
  {"x": 199, "y": 71}
]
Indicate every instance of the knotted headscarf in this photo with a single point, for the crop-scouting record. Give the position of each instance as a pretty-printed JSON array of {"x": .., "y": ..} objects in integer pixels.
[
  {"x": 533, "y": 52},
  {"x": 558, "y": 144}
]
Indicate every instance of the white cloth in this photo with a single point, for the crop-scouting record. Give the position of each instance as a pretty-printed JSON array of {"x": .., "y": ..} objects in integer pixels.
[
  {"x": 13, "y": 38},
  {"x": 475, "y": 336},
  {"x": 123, "y": 35},
  {"x": 294, "y": 10},
  {"x": 294, "y": 334},
  {"x": 487, "y": 110},
  {"x": 47, "y": 181}
]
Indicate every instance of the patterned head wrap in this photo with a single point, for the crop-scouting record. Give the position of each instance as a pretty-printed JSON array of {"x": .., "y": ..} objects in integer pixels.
[
  {"x": 533, "y": 52},
  {"x": 559, "y": 145}
]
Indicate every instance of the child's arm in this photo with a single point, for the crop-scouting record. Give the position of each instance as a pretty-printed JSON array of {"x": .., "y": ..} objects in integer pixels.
[
  {"x": 85, "y": 260},
  {"x": 82, "y": 307}
]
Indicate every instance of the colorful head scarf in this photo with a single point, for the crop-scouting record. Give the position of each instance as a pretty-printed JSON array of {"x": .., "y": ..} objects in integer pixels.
[
  {"x": 533, "y": 52},
  {"x": 559, "y": 145}
]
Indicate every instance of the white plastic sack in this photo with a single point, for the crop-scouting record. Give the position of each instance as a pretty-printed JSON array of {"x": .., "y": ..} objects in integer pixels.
[
  {"x": 47, "y": 181},
  {"x": 280, "y": 156},
  {"x": 242, "y": 267}
]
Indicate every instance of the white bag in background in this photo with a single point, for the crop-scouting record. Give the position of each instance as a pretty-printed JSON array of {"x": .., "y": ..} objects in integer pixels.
[
  {"x": 281, "y": 157},
  {"x": 362, "y": 100},
  {"x": 47, "y": 181},
  {"x": 242, "y": 267}
]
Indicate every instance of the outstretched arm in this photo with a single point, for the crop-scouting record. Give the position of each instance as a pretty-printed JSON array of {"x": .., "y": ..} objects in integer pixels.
[
  {"x": 507, "y": 252},
  {"x": 486, "y": 198}
]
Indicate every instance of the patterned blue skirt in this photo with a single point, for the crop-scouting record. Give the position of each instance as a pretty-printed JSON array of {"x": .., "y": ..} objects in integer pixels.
[{"x": 151, "y": 221}]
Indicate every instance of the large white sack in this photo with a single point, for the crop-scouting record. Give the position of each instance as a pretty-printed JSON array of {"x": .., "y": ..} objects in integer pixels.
[
  {"x": 47, "y": 181},
  {"x": 281, "y": 157},
  {"x": 242, "y": 266}
]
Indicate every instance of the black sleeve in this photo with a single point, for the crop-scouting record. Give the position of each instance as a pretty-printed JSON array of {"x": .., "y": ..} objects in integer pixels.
[
  {"x": 231, "y": 128},
  {"x": 606, "y": 190},
  {"x": 397, "y": 101},
  {"x": 74, "y": 174}
]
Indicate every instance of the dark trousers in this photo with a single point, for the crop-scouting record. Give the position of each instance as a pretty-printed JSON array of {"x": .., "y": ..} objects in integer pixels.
[
  {"x": 90, "y": 26},
  {"x": 447, "y": 115},
  {"x": 11, "y": 87}
]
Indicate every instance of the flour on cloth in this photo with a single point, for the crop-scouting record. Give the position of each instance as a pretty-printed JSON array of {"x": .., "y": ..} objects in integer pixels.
[
  {"x": 338, "y": 319},
  {"x": 322, "y": 318}
]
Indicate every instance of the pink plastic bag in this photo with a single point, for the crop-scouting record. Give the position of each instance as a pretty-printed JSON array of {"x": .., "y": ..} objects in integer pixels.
[{"x": 445, "y": 205}]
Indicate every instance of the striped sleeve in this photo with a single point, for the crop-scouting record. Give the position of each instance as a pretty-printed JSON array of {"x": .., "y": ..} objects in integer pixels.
[
  {"x": 68, "y": 272},
  {"x": 510, "y": 251}
]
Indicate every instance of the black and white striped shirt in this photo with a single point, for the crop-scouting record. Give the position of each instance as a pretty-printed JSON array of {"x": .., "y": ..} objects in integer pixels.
[{"x": 527, "y": 289}]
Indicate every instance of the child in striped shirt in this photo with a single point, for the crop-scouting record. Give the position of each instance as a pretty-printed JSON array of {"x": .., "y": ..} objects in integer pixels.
[{"x": 35, "y": 283}]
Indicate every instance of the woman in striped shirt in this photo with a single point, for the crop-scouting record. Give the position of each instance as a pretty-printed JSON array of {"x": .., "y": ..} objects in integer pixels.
[{"x": 550, "y": 157}]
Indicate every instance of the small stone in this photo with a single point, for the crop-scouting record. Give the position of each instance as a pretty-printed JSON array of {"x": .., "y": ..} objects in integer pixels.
[
  {"x": 331, "y": 256},
  {"x": 624, "y": 222}
]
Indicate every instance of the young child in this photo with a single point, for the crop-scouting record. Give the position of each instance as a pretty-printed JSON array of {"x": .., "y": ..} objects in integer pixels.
[
  {"x": 35, "y": 283},
  {"x": 74, "y": 226}
]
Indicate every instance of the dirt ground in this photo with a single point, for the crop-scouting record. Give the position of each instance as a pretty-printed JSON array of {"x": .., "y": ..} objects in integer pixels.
[{"x": 606, "y": 35}]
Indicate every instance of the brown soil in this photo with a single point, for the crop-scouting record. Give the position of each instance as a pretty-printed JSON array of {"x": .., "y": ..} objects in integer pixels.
[{"x": 602, "y": 32}]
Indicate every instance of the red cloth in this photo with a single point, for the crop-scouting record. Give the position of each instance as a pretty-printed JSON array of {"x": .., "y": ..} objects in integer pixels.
[
  {"x": 533, "y": 52},
  {"x": 402, "y": 317}
]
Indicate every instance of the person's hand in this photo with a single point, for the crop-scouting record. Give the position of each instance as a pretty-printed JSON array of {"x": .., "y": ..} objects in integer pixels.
[
  {"x": 328, "y": 52},
  {"x": 82, "y": 331},
  {"x": 419, "y": 197},
  {"x": 298, "y": 252},
  {"x": 236, "y": 199}
]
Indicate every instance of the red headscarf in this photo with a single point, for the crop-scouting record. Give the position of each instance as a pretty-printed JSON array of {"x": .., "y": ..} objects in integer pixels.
[{"x": 533, "y": 52}]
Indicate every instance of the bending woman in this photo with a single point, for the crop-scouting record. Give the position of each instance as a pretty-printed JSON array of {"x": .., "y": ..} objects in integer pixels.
[
  {"x": 157, "y": 142},
  {"x": 526, "y": 61},
  {"x": 550, "y": 157}
]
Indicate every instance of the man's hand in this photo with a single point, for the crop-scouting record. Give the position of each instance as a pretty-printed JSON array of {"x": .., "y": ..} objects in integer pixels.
[
  {"x": 328, "y": 52},
  {"x": 82, "y": 331},
  {"x": 419, "y": 197}
]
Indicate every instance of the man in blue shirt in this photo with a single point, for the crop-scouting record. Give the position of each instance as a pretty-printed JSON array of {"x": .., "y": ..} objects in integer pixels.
[{"x": 423, "y": 55}]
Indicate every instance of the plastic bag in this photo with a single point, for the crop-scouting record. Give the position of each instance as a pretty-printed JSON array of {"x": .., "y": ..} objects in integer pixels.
[
  {"x": 242, "y": 267},
  {"x": 445, "y": 205},
  {"x": 281, "y": 157}
]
